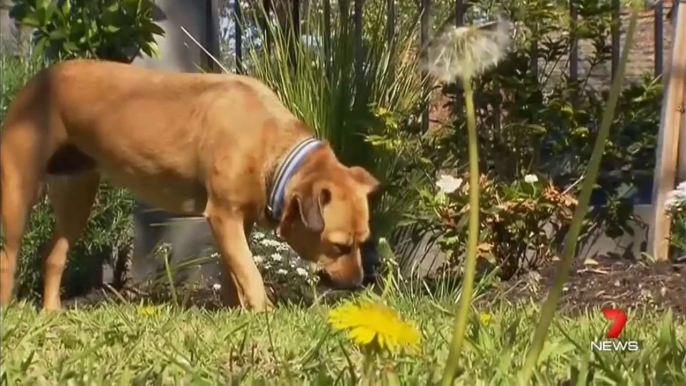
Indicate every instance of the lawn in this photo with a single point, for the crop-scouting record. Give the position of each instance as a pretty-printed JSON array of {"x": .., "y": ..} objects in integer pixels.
[{"x": 127, "y": 343}]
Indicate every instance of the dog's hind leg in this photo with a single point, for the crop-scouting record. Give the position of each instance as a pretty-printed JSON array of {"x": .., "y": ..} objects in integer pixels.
[
  {"x": 71, "y": 198},
  {"x": 20, "y": 179},
  {"x": 18, "y": 188}
]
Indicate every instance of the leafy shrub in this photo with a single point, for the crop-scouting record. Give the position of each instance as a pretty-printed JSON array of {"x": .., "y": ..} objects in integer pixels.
[
  {"x": 105, "y": 29},
  {"x": 520, "y": 221},
  {"x": 676, "y": 208},
  {"x": 537, "y": 120}
]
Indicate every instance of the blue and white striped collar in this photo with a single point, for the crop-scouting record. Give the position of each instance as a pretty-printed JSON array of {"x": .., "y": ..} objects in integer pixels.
[{"x": 287, "y": 169}]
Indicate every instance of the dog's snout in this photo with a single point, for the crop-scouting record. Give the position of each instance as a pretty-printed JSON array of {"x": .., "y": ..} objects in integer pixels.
[{"x": 326, "y": 280}]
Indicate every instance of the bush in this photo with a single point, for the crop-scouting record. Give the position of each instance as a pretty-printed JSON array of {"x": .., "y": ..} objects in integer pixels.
[
  {"x": 105, "y": 29},
  {"x": 537, "y": 120},
  {"x": 676, "y": 208},
  {"x": 520, "y": 221}
]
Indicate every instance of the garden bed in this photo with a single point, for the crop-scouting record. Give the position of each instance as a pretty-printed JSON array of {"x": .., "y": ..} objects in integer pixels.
[{"x": 611, "y": 282}]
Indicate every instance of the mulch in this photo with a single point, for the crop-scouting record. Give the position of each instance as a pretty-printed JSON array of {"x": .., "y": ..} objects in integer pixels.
[{"x": 608, "y": 282}]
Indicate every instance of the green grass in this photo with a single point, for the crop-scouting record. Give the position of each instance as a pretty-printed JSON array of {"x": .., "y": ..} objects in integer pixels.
[{"x": 118, "y": 344}]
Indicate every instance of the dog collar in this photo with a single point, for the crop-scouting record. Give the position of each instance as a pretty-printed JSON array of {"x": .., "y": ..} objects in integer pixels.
[{"x": 288, "y": 167}]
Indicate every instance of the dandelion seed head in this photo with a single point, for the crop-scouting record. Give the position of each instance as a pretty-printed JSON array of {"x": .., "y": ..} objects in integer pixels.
[{"x": 466, "y": 52}]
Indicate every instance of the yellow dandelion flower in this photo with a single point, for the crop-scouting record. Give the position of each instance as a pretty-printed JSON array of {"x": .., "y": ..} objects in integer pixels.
[
  {"x": 465, "y": 52},
  {"x": 374, "y": 325},
  {"x": 147, "y": 311},
  {"x": 485, "y": 318}
]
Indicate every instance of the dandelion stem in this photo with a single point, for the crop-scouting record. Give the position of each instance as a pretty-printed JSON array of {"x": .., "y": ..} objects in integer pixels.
[
  {"x": 569, "y": 250},
  {"x": 472, "y": 240}
]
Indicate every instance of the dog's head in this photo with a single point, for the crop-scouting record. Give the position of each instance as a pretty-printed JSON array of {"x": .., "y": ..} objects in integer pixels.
[{"x": 326, "y": 217}]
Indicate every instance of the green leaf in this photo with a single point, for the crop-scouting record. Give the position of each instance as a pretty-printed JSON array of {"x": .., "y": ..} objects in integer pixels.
[
  {"x": 39, "y": 48},
  {"x": 70, "y": 47},
  {"x": 112, "y": 28},
  {"x": 154, "y": 29},
  {"x": 31, "y": 21},
  {"x": 112, "y": 8},
  {"x": 57, "y": 34},
  {"x": 66, "y": 7},
  {"x": 50, "y": 11}
]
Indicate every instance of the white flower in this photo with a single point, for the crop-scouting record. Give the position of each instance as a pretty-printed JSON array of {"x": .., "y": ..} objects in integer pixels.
[
  {"x": 465, "y": 52},
  {"x": 276, "y": 257},
  {"x": 675, "y": 199},
  {"x": 258, "y": 259},
  {"x": 448, "y": 184},
  {"x": 301, "y": 271},
  {"x": 681, "y": 186},
  {"x": 283, "y": 248},
  {"x": 530, "y": 178},
  {"x": 258, "y": 235},
  {"x": 270, "y": 243},
  {"x": 281, "y": 271},
  {"x": 267, "y": 266},
  {"x": 216, "y": 286}
]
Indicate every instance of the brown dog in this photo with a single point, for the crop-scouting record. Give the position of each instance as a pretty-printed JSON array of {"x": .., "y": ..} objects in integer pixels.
[{"x": 221, "y": 146}]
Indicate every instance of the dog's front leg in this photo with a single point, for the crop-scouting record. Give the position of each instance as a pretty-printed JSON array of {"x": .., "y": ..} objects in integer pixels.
[{"x": 237, "y": 262}]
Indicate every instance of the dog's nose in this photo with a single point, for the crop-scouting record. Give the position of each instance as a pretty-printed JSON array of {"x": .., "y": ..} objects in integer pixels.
[{"x": 326, "y": 280}]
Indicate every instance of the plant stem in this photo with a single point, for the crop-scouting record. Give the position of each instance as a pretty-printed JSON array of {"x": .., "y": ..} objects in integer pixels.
[
  {"x": 550, "y": 305},
  {"x": 462, "y": 316}
]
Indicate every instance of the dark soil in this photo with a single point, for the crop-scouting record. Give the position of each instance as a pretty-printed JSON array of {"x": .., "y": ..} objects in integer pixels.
[{"x": 611, "y": 282}]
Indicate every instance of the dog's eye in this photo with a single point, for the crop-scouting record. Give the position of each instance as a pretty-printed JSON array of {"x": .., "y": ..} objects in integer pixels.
[{"x": 342, "y": 249}]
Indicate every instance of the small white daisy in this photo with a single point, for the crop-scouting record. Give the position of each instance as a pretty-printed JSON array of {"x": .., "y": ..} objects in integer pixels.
[
  {"x": 448, "y": 184},
  {"x": 530, "y": 178},
  {"x": 216, "y": 286},
  {"x": 301, "y": 271},
  {"x": 270, "y": 243},
  {"x": 276, "y": 257},
  {"x": 258, "y": 259},
  {"x": 281, "y": 271}
]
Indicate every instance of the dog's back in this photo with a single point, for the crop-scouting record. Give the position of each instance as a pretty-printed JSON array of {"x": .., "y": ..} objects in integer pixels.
[{"x": 139, "y": 125}]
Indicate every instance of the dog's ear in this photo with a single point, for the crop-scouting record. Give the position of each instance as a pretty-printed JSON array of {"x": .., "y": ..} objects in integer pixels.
[
  {"x": 310, "y": 208},
  {"x": 364, "y": 178}
]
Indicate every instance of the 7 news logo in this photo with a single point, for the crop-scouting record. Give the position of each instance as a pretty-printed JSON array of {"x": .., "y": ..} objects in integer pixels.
[{"x": 618, "y": 318}]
